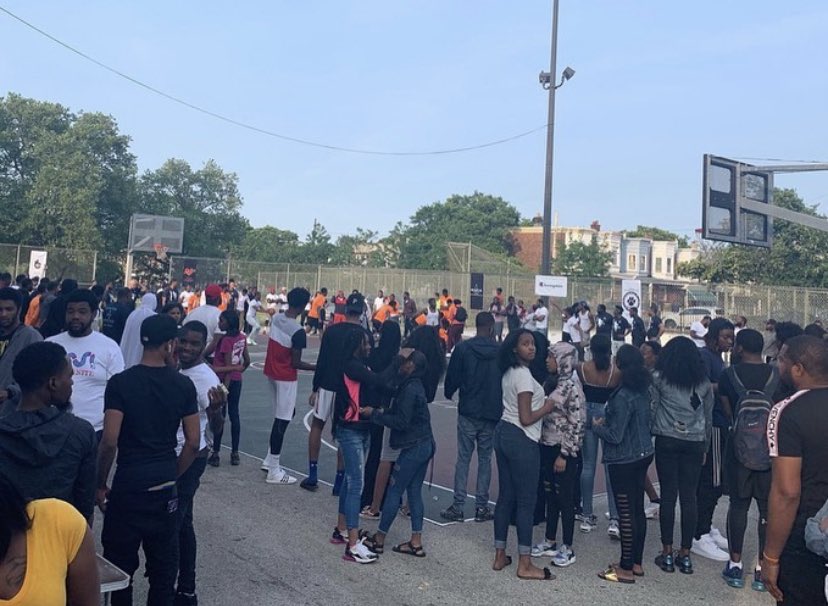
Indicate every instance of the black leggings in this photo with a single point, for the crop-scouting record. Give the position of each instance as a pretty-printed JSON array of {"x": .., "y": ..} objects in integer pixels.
[
  {"x": 559, "y": 491},
  {"x": 678, "y": 463},
  {"x": 737, "y": 517},
  {"x": 628, "y": 480},
  {"x": 277, "y": 436}
]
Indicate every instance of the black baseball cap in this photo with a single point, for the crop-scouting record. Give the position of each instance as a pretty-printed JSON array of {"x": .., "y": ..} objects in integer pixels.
[
  {"x": 158, "y": 329},
  {"x": 355, "y": 303}
]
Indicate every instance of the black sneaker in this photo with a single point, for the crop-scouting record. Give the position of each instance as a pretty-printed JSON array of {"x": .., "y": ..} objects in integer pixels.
[
  {"x": 483, "y": 514},
  {"x": 234, "y": 458},
  {"x": 665, "y": 562},
  {"x": 453, "y": 514},
  {"x": 308, "y": 485},
  {"x": 685, "y": 564},
  {"x": 214, "y": 460}
]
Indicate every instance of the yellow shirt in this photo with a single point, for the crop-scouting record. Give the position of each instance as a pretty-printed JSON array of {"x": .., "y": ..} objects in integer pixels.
[{"x": 52, "y": 543}]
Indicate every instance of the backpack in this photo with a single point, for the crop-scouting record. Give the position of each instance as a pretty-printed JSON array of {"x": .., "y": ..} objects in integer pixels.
[
  {"x": 750, "y": 443},
  {"x": 462, "y": 315}
]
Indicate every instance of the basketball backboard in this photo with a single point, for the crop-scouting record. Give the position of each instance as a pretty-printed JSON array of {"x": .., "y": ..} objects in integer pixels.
[
  {"x": 730, "y": 188},
  {"x": 147, "y": 231}
]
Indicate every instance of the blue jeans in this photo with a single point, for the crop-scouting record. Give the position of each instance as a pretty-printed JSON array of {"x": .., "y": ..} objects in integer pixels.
[
  {"x": 590, "y": 463},
  {"x": 518, "y": 469},
  {"x": 408, "y": 477},
  {"x": 354, "y": 444},
  {"x": 470, "y": 432}
]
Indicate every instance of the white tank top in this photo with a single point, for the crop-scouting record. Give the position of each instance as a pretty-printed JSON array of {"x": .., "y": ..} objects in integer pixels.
[{"x": 432, "y": 318}]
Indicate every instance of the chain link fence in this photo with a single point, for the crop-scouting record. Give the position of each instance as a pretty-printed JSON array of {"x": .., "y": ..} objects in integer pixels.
[{"x": 82, "y": 265}]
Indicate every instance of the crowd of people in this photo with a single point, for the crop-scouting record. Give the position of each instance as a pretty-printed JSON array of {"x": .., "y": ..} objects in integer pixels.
[{"x": 103, "y": 377}]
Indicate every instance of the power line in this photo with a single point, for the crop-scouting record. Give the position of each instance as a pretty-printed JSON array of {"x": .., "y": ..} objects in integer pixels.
[{"x": 264, "y": 131}]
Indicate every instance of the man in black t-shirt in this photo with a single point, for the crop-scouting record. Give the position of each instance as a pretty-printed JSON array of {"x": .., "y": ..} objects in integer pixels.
[
  {"x": 638, "y": 331},
  {"x": 797, "y": 431},
  {"x": 603, "y": 322},
  {"x": 143, "y": 408},
  {"x": 115, "y": 315},
  {"x": 620, "y": 329},
  {"x": 745, "y": 484}
]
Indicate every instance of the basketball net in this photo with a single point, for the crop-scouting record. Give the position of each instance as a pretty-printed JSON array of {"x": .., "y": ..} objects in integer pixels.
[{"x": 161, "y": 251}]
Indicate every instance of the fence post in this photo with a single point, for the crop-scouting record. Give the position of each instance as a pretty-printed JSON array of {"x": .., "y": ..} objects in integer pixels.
[
  {"x": 95, "y": 266},
  {"x": 17, "y": 263},
  {"x": 228, "y": 268},
  {"x": 807, "y": 307},
  {"x": 258, "y": 280},
  {"x": 287, "y": 277},
  {"x": 318, "y": 277}
]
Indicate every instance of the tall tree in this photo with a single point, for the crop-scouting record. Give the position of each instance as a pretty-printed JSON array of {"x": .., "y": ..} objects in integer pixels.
[
  {"x": 479, "y": 218},
  {"x": 579, "y": 259},
  {"x": 269, "y": 244},
  {"x": 656, "y": 233}
]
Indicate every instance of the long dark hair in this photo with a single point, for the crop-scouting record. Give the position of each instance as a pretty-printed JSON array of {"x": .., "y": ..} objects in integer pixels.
[
  {"x": 634, "y": 375},
  {"x": 13, "y": 516},
  {"x": 601, "y": 350},
  {"x": 389, "y": 346},
  {"x": 426, "y": 339},
  {"x": 506, "y": 356},
  {"x": 353, "y": 341},
  {"x": 232, "y": 319},
  {"x": 680, "y": 363}
]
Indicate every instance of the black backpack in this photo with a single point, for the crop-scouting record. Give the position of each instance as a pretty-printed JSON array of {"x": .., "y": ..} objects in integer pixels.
[
  {"x": 750, "y": 424},
  {"x": 462, "y": 315}
]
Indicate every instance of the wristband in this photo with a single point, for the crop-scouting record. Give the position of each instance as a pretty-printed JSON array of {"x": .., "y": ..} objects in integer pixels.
[{"x": 770, "y": 560}]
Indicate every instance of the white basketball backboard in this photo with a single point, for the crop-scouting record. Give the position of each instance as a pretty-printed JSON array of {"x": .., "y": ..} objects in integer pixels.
[{"x": 145, "y": 231}]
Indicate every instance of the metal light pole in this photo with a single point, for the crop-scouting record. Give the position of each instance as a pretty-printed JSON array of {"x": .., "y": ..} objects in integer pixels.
[{"x": 547, "y": 80}]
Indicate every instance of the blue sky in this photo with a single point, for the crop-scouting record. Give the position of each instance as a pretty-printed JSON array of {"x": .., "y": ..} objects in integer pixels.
[{"x": 657, "y": 85}]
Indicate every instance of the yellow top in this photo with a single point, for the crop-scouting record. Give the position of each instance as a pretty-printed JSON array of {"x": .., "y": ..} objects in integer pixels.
[{"x": 52, "y": 543}]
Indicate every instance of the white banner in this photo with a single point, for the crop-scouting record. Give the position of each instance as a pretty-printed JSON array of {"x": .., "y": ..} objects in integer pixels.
[
  {"x": 551, "y": 286},
  {"x": 37, "y": 263},
  {"x": 631, "y": 294}
]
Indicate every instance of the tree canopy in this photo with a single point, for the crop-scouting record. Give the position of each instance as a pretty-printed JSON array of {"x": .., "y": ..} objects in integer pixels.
[
  {"x": 656, "y": 233},
  {"x": 584, "y": 260}
]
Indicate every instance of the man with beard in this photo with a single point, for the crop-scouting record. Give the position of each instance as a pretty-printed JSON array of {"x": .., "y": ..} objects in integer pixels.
[
  {"x": 797, "y": 428},
  {"x": 14, "y": 337},
  {"x": 192, "y": 340},
  {"x": 95, "y": 357}
]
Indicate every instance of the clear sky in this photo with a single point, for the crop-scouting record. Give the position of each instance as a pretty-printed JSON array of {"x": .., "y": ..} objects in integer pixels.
[{"x": 657, "y": 85}]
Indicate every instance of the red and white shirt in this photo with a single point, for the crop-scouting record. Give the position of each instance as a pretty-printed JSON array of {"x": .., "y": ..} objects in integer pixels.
[{"x": 285, "y": 335}]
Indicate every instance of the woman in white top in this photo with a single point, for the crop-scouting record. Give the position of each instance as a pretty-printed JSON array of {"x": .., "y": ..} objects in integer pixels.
[{"x": 518, "y": 457}]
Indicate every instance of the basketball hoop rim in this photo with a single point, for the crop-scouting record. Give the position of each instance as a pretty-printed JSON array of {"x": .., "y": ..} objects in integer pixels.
[{"x": 160, "y": 251}]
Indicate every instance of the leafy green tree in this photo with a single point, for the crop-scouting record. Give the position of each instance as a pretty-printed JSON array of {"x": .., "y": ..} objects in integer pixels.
[
  {"x": 656, "y": 233},
  {"x": 317, "y": 247},
  {"x": 479, "y": 218},
  {"x": 583, "y": 260},
  {"x": 269, "y": 244}
]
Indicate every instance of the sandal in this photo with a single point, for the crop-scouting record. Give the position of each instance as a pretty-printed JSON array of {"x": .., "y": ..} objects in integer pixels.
[
  {"x": 610, "y": 574},
  {"x": 408, "y": 549},
  {"x": 368, "y": 513},
  {"x": 507, "y": 564},
  {"x": 547, "y": 576},
  {"x": 635, "y": 574},
  {"x": 370, "y": 541}
]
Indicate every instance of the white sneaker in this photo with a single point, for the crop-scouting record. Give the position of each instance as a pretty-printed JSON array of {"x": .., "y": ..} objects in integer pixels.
[
  {"x": 545, "y": 549},
  {"x": 607, "y": 515},
  {"x": 266, "y": 462},
  {"x": 588, "y": 523},
  {"x": 613, "y": 531},
  {"x": 719, "y": 539},
  {"x": 280, "y": 476},
  {"x": 706, "y": 548},
  {"x": 651, "y": 511},
  {"x": 360, "y": 554},
  {"x": 565, "y": 557}
]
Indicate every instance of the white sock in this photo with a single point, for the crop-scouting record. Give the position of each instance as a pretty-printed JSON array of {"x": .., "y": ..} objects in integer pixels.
[{"x": 735, "y": 564}]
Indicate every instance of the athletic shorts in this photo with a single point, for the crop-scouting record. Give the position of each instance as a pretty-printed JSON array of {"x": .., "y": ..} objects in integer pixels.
[
  {"x": 313, "y": 322},
  {"x": 283, "y": 394},
  {"x": 388, "y": 453},
  {"x": 324, "y": 405}
]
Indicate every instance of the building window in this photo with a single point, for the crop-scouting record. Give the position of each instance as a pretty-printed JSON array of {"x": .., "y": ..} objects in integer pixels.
[
  {"x": 631, "y": 263},
  {"x": 658, "y": 265},
  {"x": 642, "y": 263},
  {"x": 669, "y": 265}
]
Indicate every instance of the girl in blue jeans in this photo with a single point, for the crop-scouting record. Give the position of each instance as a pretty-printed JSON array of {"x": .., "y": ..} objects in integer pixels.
[
  {"x": 599, "y": 379},
  {"x": 410, "y": 423}
]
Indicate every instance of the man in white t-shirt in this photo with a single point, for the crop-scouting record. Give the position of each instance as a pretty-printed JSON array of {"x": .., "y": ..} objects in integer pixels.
[
  {"x": 192, "y": 340},
  {"x": 208, "y": 314},
  {"x": 379, "y": 301},
  {"x": 541, "y": 318},
  {"x": 184, "y": 297},
  {"x": 241, "y": 302},
  {"x": 95, "y": 357},
  {"x": 698, "y": 330},
  {"x": 271, "y": 300},
  {"x": 281, "y": 300}
]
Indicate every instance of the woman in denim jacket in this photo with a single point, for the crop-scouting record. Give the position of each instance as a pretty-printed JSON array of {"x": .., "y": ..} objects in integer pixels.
[{"x": 628, "y": 452}]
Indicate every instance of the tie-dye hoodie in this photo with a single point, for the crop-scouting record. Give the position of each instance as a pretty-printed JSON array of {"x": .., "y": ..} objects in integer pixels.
[{"x": 566, "y": 423}]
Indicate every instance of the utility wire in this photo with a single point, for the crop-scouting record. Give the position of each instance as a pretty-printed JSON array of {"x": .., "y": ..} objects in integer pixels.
[{"x": 263, "y": 131}]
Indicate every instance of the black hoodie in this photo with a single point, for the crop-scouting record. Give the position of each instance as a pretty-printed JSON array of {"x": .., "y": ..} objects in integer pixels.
[
  {"x": 408, "y": 416},
  {"x": 50, "y": 453},
  {"x": 473, "y": 370}
]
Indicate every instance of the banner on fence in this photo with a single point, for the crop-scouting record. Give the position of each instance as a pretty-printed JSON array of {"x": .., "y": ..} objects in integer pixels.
[
  {"x": 551, "y": 286},
  {"x": 37, "y": 263},
  {"x": 631, "y": 294},
  {"x": 476, "y": 291},
  {"x": 189, "y": 272}
]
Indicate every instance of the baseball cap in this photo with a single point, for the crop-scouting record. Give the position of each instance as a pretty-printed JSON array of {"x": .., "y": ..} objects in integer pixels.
[
  {"x": 355, "y": 303},
  {"x": 158, "y": 329},
  {"x": 212, "y": 291}
]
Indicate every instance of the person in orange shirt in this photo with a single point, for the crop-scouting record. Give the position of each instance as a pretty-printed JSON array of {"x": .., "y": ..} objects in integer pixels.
[
  {"x": 382, "y": 314},
  {"x": 33, "y": 315},
  {"x": 457, "y": 323},
  {"x": 225, "y": 298},
  {"x": 445, "y": 300},
  {"x": 195, "y": 300},
  {"x": 316, "y": 315}
]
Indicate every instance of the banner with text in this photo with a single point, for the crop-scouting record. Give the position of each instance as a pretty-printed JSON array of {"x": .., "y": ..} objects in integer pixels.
[
  {"x": 551, "y": 286},
  {"x": 476, "y": 291}
]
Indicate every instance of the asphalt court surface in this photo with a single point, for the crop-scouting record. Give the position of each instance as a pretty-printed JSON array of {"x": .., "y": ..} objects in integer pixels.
[{"x": 257, "y": 417}]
